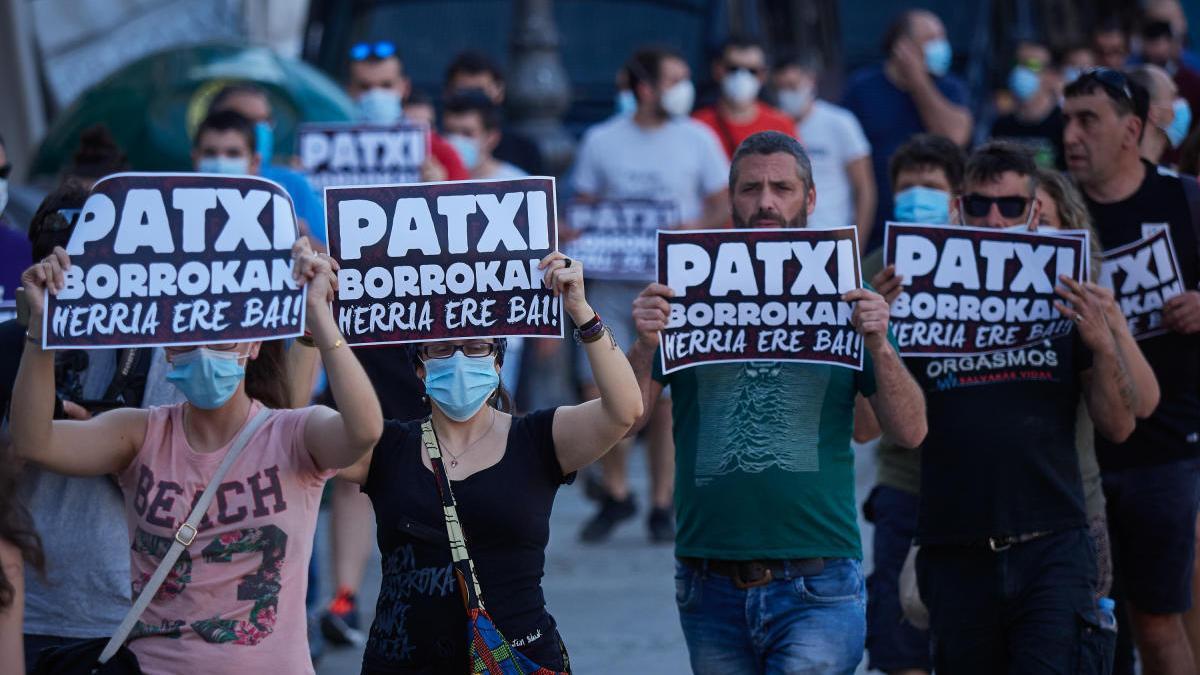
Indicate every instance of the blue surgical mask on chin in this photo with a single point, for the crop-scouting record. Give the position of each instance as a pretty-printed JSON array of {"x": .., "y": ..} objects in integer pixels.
[
  {"x": 460, "y": 385},
  {"x": 1177, "y": 130},
  {"x": 922, "y": 205},
  {"x": 224, "y": 165},
  {"x": 626, "y": 103},
  {"x": 206, "y": 377},
  {"x": 380, "y": 106},
  {"x": 938, "y": 55},
  {"x": 264, "y": 138}
]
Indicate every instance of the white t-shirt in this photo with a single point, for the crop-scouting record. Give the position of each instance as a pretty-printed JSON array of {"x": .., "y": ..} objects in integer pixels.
[
  {"x": 833, "y": 138},
  {"x": 681, "y": 161}
]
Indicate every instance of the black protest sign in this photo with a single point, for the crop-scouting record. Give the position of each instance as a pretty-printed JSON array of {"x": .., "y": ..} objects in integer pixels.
[
  {"x": 617, "y": 238},
  {"x": 970, "y": 290},
  {"x": 1143, "y": 276},
  {"x": 759, "y": 294},
  {"x": 443, "y": 261},
  {"x": 178, "y": 259},
  {"x": 361, "y": 154}
]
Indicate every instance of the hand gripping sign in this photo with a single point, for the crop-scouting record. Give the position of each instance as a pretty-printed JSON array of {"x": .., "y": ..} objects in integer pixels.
[
  {"x": 971, "y": 290},
  {"x": 178, "y": 259},
  {"x": 361, "y": 154},
  {"x": 443, "y": 261},
  {"x": 617, "y": 238},
  {"x": 1143, "y": 275},
  {"x": 760, "y": 294}
]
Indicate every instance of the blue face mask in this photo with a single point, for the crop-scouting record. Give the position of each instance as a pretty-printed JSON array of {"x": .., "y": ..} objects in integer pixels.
[
  {"x": 938, "y": 56},
  {"x": 207, "y": 378},
  {"x": 626, "y": 103},
  {"x": 1023, "y": 83},
  {"x": 922, "y": 205},
  {"x": 264, "y": 139},
  {"x": 460, "y": 385},
  {"x": 467, "y": 149},
  {"x": 1177, "y": 130},
  {"x": 225, "y": 165},
  {"x": 380, "y": 106}
]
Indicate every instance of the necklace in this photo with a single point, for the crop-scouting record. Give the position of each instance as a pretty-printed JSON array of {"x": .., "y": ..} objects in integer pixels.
[{"x": 454, "y": 457}]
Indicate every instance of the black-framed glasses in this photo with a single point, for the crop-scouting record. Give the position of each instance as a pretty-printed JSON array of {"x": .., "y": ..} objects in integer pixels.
[
  {"x": 978, "y": 206},
  {"x": 444, "y": 350},
  {"x": 1113, "y": 81},
  {"x": 378, "y": 50}
]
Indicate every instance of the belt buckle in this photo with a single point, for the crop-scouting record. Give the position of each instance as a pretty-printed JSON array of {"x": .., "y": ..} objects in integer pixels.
[
  {"x": 742, "y": 584},
  {"x": 998, "y": 544}
]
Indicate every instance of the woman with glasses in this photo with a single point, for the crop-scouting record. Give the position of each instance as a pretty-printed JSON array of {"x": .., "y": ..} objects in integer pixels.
[
  {"x": 234, "y": 601},
  {"x": 505, "y": 472}
]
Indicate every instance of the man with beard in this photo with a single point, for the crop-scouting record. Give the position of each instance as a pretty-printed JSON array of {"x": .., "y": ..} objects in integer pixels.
[{"x": 769, "y": 573}]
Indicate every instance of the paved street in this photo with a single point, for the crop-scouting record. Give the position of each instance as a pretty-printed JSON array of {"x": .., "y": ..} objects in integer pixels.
[{"x": 614, "y": 603}]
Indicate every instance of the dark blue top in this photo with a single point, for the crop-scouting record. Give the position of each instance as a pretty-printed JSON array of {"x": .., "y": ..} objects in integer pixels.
[
  {"x": 889, "y": 118},
  {"x": 308, "y": 204}
]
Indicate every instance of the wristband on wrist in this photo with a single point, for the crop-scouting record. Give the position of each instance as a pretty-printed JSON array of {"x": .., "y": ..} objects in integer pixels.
[
  {"x": 590, "y": 331},
  {"x": 590, "y": 323}
]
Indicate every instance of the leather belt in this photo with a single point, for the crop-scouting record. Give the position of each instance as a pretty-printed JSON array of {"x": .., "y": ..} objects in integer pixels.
[
  {"x": 998, "y": 544},
  {"x": 752, "y": 573}
]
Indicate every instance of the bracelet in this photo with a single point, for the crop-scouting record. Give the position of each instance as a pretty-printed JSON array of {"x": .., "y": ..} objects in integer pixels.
[
  {"x": 594, "y": 334},
  {"x": 32, "y": 339},
  {"x": 336, "y": 343},
  {"x": 590, "y": 323},
  {"x": 306, "y": 340}
]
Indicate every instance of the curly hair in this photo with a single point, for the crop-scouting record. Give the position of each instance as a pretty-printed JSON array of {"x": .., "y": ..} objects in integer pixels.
[{"x": 16, "y": 527}]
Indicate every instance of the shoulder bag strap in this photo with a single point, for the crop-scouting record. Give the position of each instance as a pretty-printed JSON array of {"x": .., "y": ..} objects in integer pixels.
[
  {"x": 183, "y": 537},
  {"x": 464, "y": 569}
]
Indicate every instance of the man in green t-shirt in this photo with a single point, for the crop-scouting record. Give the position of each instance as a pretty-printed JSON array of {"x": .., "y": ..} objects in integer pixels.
[{"x": 769, "y": 575}]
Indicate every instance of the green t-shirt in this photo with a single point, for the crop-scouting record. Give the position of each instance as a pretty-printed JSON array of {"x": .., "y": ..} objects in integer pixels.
[{"x": 763, "y": 463}]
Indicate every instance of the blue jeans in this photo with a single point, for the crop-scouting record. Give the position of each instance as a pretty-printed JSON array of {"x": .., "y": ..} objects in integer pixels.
[
  {"x": 892, "y": 642},
  {"x": 801, "y": 624}
]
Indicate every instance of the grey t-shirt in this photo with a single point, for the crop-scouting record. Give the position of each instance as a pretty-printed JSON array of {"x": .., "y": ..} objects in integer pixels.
[{"x": 85, "y": 590}]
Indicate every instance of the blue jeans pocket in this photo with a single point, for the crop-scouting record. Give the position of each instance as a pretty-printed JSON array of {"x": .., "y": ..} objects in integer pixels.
[
  {"x": 840, "y": 581},
  {"x": 687, "y": 587}
]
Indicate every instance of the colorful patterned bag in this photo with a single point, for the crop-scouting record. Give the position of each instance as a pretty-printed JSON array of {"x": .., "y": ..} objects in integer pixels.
[{"x": 488, "y": 652}]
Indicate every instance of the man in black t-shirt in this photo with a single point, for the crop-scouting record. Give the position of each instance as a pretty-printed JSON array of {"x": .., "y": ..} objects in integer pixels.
[
  {"x": 1152, "y": 480},
  {"x": 1036, "y": 122},
  {"x": 1006, "y": 565}
]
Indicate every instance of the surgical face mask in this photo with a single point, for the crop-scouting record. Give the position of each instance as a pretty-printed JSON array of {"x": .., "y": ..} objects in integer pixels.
[
  {"x": 677, "y": 101},
  {"x": 206, "y": 377},
  {"x": 626, "y": 103},
  {"x": 3, "y": 194},
  {"x": 1177, "y": 130},
  {"x": 922, "y": 205},
  {"x": 740, "y": 86},
  {"x": 938, "y": 56},
  {"x": 228, "y": 165},
  {"x": 467, "y": 149},
  {"x": 460, "y": 385},
  {"x": 1023, "y": 83},
  {"x": 794, "y": 101},
  {"x": 380, "y": 106},
  {"x": 264, "y": 140}
]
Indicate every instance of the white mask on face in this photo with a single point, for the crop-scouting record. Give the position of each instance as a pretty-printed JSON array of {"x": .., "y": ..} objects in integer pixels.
[
  {"x": 677, "y": 101},
  {"x": 794, "y": 101},
  {"x": 380, "y": 106},
  {"x": 3, "y": 194},
  {"x": 740, "y": 86}
]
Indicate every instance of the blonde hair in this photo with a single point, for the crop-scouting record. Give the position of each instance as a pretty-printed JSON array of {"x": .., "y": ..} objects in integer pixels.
[{"x": 1071, "y": 210}]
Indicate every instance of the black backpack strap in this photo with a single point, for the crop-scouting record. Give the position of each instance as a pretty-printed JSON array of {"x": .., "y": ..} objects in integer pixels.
[{"x": 129, "y": 381}]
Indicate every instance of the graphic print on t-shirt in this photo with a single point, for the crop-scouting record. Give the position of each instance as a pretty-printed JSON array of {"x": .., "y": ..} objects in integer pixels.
[
  {"x": 758, "y": 415},
  {"x": 1017, "y": 365},
  {"x": 403, "y": 579}
]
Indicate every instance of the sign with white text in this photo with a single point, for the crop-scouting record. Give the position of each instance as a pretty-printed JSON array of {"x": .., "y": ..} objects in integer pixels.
[
  {"x": 178, "y": 259},
  {"x": 443, "y": 261},
  {"x": 361, "y": 154},
  {"x": 758, "y": 295},
  {"x": 617, "y": 238},
  {"x": 972, "y": 290},
  {"x": 1143, "y": 275}
]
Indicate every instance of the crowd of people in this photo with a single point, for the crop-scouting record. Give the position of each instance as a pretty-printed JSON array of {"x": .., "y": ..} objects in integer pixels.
[{"x": 1036, "y": 510}]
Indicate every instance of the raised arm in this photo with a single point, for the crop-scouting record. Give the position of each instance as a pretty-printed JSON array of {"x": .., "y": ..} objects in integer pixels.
[
  {"x": 898, "y": 402},
  {"x": 584, "y": 432},
  {"x": 1146, "y": 393},
  {"x": 1107, "y": 386},
  {"x": 938, "y": 114},
  {"x": 335, "y": 438},
  {"x": 650, "y": 312},
  {"x": 104, "y": 444}
]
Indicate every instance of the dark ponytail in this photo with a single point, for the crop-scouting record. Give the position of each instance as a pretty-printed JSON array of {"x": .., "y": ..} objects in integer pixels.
[{"x": 267, "y": 377}]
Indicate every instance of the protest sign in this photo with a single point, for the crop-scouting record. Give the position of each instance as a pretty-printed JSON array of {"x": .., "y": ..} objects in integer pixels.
[
  {"x": 178, "y": 259},
  {"x": 361, "y": 154},
  {"x": 971, "y": 290},
  {"x": 759, "y": 294},
  {"x": 443, "y": 261},
  {"x": 1143, "y": 275},
  {"x": 617, "y": 238}
]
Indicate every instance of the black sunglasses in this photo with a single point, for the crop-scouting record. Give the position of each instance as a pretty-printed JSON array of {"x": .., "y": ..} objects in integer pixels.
[
  {"x": 367, "y": 50},
  {"x": 978, "y": 206},
  {"x": 1113, "y": 81}
]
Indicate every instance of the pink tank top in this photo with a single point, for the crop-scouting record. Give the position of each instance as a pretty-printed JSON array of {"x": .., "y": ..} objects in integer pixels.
[{"x": 234, "y": 602}]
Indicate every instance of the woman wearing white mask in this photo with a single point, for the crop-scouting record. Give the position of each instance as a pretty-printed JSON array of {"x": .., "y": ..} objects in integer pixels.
[
  {"x": 234, "y": 600},
  {"x": 505, "y": 472}
]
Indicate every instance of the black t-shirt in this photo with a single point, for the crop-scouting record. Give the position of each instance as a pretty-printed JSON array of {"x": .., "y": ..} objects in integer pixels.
[
  {"x": 396, "y": 384},
  {"x": 12, "y": 344},
  {"x": 1172, "y": 433},
  {"x": 1000, "y": 455},
  {"x": 1044, "y": 137},
  {"x": 518, "y": 150},
  {"x": 420, "y": 621}
]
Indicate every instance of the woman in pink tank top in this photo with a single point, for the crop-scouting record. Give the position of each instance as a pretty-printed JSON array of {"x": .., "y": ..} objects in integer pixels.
[{"x": 234, "y": 601}]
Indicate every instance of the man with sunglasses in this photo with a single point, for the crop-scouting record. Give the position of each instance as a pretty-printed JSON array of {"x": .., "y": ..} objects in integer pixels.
[
  {"x": 1152, "y": 480},
  {"x": 740, "y": 68},
  {"x": 378, "y": 84}
]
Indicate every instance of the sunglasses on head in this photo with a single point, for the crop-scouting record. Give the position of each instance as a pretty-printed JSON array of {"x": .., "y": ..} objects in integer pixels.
[
  {"x": 978, "y": 206},
  {"x": 1113, "y": 81},
  {"x": 372, "y": 50}
]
